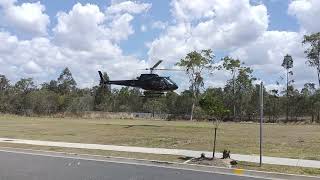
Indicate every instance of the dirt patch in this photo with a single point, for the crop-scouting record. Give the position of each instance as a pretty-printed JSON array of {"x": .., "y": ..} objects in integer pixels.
[{"x": 212, "y": 162}]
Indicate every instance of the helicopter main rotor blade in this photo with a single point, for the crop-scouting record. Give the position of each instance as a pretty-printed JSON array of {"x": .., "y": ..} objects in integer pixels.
[
  {"x": 156, "y": 65},
  {"x": 164, "y": 69}
]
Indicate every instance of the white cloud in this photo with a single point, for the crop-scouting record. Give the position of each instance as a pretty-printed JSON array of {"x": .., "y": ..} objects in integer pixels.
[
  {"x": 121, "y": 27},
  {"x": 307, "y": 12},
  {"x": 80, "y": 27},
  {"x": 83, "y": 26},
  {"x": 143, "y": 28},
  {"x": 25, "y": 18},
  {"x": 266, "y": 55},
  {"x": 159, "y": 25},
  {"x": 209, "y": 24},
  {"x": 85, "y": 40},
  {"x": 128, "y": 7}
]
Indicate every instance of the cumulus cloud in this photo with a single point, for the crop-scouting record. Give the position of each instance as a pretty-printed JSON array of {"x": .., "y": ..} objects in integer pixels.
[
  {"x": 84, "y": 25},
  {"x": 26, "y": 18},
  {"x": 209, "y": 24},
  {"x": 266, "y": 54},
  {"x": 80, "y": 27},
  {"x": 307, "y": 12},
  {"x": 128, "y": 7},
  {"x": 84, "y": 39},
  {"x": 159, "y": 25}
]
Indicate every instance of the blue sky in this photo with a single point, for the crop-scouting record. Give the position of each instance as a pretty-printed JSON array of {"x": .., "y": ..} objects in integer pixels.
[{"x": 119, "y": 36}]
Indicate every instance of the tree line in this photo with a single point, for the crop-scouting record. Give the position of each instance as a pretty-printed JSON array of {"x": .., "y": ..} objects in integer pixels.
[{"x": 238, "y": 100}]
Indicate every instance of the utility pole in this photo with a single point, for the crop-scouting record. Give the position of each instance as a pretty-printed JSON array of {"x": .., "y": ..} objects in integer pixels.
[
  {"x": 234, "y": 97},
  {"x": 261, "y": 120}
]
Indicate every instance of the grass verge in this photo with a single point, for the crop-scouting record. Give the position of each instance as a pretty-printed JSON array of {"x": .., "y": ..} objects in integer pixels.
[{"x": 293, "y": 141}]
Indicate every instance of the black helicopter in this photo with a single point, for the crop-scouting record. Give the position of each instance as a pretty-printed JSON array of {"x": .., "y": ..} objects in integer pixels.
[{"x": 153, "y": 84}]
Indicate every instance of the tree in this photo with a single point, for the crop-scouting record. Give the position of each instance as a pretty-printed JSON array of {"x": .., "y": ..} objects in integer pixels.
[
  {"x": 213, "y": 105},
  {"x": 4, "y": 93},
  {"x": 102, "y": 96},
  {"x": 195, "y": 63},
  {"x": 51, "y": 86},
  {"x": 4, "y": 83},
  {"x": 313, "y": 51},
  {"x": 25, "y": 85},
  {"x": 232, "y": 65},
  {"x": 308, "y": 91},
  {"x": 244, "y": 91},
  {"x": 65, "y": 82},
  {"x": 21, "y": 102},
  {"x": 287, "y": 64},
  {"x": 272, "y": 105}
]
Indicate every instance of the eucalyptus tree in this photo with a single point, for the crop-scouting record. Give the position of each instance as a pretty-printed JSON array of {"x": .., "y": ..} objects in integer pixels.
[
  {"x": 65, "y": 82},
  {"x": 233, "y": 66},
  {"x": 287, "y": 64},
  {"x": 313, "y": 51},
  {"x": 194, "y": 64},
  {"x": 244, "y": 90}
]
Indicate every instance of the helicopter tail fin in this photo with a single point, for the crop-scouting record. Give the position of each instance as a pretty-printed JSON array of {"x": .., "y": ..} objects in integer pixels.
[{"x": 102, "y": 81}]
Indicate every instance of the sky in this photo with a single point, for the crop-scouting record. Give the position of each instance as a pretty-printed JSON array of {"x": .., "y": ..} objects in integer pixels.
[{"x": 38, "y": 39}]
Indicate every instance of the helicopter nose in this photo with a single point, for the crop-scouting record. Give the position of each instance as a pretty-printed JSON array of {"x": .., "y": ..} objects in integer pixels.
[{"x": 174, "y": 87}]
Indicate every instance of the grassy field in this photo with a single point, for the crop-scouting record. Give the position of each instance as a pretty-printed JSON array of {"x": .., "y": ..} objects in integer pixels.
[{"x": 296, "y": 141}]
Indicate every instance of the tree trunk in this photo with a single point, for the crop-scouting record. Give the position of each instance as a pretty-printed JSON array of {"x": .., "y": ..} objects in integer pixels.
[
  {"x": 193, "y": 104},
  {"x": 234, "y": 97},
  {"x": 319, "y": 76},
  {"x": 287, "y": 108},
  {"x": 214, "y": 142},
  {"x": 192, "y": 109}
]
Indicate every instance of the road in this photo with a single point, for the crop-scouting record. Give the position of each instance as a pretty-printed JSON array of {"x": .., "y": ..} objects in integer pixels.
[{"x": 22, "y": 166}]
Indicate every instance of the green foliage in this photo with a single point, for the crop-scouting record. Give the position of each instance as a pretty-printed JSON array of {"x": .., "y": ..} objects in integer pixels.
[
  {"x": 65, "y": 82},
  {"x": 313, "y": 51},
  {"x": 213, "y": 105},
  {"x": 287, "y": 62},
  {"x": 103, "y": 96},
  {"x": 194, "y": 64},
  {"x": 4, "y": 83},
  {"x": 231, "y": 64}
]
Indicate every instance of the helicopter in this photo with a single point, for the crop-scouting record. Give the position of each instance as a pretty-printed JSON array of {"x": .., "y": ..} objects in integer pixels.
[{"x": 153, "y": 84}]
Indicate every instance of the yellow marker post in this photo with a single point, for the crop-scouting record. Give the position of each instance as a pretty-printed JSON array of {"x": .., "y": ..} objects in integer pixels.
[{"x": 238, "y": 171}]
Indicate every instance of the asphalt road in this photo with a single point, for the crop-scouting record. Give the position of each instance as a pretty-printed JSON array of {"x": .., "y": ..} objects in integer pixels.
[{"x": 19, "y": 166}]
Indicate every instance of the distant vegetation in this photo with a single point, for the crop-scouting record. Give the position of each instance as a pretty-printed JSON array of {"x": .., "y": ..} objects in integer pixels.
[{"x": 239, "y": 97}]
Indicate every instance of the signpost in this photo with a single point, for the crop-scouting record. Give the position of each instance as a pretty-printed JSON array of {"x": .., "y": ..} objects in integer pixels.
[{"x": 261, "y": 120}]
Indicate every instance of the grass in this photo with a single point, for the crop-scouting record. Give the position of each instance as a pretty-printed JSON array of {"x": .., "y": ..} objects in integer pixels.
[
  {"x": 294, "y": 141},
  {"x": 279, "y": 169}
]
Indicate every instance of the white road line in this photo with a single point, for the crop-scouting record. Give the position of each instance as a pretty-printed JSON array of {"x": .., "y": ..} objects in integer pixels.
[{"x": 129, "y": 163}]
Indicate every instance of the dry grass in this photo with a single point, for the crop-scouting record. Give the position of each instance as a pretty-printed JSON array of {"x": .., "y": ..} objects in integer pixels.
[{"x": 296, "y": 141}]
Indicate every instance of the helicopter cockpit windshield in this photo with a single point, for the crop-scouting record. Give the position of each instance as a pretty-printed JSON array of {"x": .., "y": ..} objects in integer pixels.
[{"x": 169, "y": 81}]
